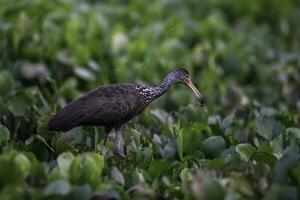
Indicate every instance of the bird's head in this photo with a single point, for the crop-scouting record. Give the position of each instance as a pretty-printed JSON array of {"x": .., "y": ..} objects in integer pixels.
[{"x": 181, "y": 75}]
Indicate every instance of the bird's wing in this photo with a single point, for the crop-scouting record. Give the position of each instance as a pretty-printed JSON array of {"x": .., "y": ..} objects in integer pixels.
[
  {"x": 110, "y": 108},
  {"x": 106, "y": 105}
]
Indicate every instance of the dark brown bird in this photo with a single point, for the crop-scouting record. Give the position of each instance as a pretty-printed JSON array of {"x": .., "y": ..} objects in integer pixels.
[{"x": 113, "y": 105}]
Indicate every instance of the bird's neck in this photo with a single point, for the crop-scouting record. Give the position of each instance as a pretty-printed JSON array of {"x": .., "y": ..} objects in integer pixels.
[
  {"x": 152, "y": 93},
  {"x": 165, "y": 85}
]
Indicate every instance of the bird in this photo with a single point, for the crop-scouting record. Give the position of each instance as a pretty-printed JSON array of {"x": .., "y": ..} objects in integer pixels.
[{"x": 113, "y": 105}]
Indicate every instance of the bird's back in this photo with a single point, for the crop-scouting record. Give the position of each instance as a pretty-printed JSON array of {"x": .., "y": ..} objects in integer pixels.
[{"x": 109, "y": 105}]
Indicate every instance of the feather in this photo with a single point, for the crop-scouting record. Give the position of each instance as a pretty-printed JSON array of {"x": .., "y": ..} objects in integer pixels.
[
  {"x": 67, "y": 118},
  {"x": 111, "y": 105}
]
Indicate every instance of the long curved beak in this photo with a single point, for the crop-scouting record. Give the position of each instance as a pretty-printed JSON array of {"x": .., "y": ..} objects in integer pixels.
[{"x": 196, "y": 92}]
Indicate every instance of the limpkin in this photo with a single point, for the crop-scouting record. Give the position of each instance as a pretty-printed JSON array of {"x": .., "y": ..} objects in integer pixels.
[{"x": 113, "y": 105}]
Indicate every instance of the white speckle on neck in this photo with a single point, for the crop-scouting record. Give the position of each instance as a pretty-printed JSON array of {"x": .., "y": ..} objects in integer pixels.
[{"x": 149, "y": 93}]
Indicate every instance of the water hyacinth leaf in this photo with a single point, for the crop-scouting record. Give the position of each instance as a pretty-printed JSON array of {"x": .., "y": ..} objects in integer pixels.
[
  {"x": 179, "y": 142},
  {"x": 74, "y": 136},
  {"x": 264, "y": 157},
  {"x": 169, "y": 150},
  {"x": 87, "y": 168},
  {"x": 18, "y": 105},
  {"x": 205, "y": 187},
  {"x": 82, "y": 192},
  {"x": 57, "y": 174},
  {"x": 268, "y": 128},
  {"x": 4, "y": 134},
  {"x": 164, "y": 117},
  {"x": 14, "y": 167},
  {"x": 279, "y": 191},
  {"x": 64, "y": 160},
  {"x": 119, "y": 43},
  {"x": 265, "y": 147},
  {"x": 186, "y": 175},
  {"x": 84, "y": 74},
  {"x": 241, "y": 135},
  {"x": 34, "y": 70},
  {"x": 39, "y": 149},
  {"x": 159, "y": 167},
  {"x": 293, "y": 134},
  {"x": 238, "y": 184},
  {"x": 295, "y": 171},
  {"x": 192, "y": 138},
  {"x": 117, "y": 175},
  {"x": 39, "y": 172},
  {"x": 94, "y": 66},
  {"x": 68, "y": 89},
  {"x": 12, "y": 192},
  {"x": 59, "y": 187},
  {"x": 217, "y": 163},
  {"x": 42, "y": 127},
  {"x": 213, "y": 146},
  {"x": 245, "y": 151},
  {"x": 60, "y": 145},
  {"x": 195, "y": 156},
  {"x": 212, "y": 189},
  {"x": 288, "y": 161},
  {"x": 232, "y": 160},
  {"x": 43, "y": 140},
  {"x": 7, "y": 83}
]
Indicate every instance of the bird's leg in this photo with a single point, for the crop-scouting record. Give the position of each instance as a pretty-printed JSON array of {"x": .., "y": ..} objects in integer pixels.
[
  {"x": 119, "y": 144},
  {"x": 106, "y": 133}
]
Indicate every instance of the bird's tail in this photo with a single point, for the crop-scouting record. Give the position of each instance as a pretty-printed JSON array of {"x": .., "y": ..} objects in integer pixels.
[{"x": 66, "y": 119}]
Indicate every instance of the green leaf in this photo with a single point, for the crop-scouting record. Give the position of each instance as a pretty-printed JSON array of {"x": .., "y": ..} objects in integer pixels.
[
  {"x": 186, "y": 175},
  {"x": 14, "y": 167},
  {"x": 59, "y": 187},
  {"x": 279, "y": 191},
  {"x": 179, "y": 142},
  {"x": 159, "y": 167},
  {"x": 43, "y": 140},
  {"x": 192, "y": 137},
  {"x": 18, "y": 106},
  {"x": 87, "y": 168},
  {"x": 213, "y": 146},
  {"x": 12, "y": 192},
  {"x": 293, "y": 134},
  {"x": 268, "y": 128},
  {"x": 4, "y": 134},
  {"x": 169, "y": 150},
  {"x": 212, "y": 189},
  {"x": 39, "y": 149},
  {"x": 64, "y": 161},
  {"x": 245, "y": 151},
  {"x": 264, "y": 157},
  {"x": 7, "y": 83},
  {"x": 84, "y": 74},
  {"x": 57, "y": 174},
  {"x": 117, "y": 175},
  {"x": 42, "y": 127},
  {"x": 68, "y": 89},
  {"x": 205, "y": 187},
  {"x": 217, "y": 163},
  {"x": 282, "y": 167},
  {"x": 82, "y": 192}
]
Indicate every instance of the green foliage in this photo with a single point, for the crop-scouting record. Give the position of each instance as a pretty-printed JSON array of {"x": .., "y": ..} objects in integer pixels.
[
  {"x": 243, "y": 57},
  {"x": 15, "y": 167},
  {"x": 213, "y": 146}
]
